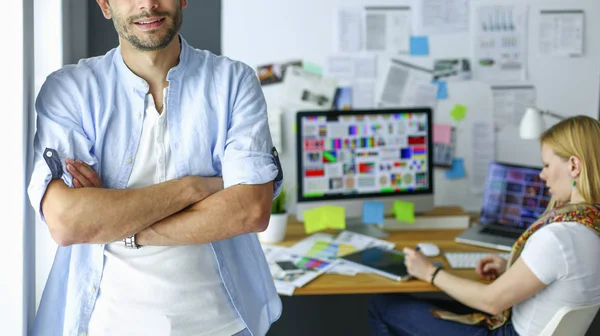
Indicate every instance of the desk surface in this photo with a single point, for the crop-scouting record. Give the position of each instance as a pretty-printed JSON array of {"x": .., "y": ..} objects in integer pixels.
[{"x": 370, "y": 283}]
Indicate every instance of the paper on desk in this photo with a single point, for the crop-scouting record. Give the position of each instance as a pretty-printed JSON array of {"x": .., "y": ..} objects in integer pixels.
[
  {"x": 387, "y": 29},
  {"x": 361, "y": 241},
  {"x": 484, "y": 152},
  {"x": 284, "y": 288},
  {"x": 349, "y": 23},
  {"x": 511, "y": 102},
  {"x": 312, "y": 267},
  {"x": 500, "y": 45},
  {"x": 439, "y": 16},
  {"x": 404, "y": 211},
  {"x": 562, "y": 32},
  {"x": 343, "y": 268},
  {"x": 305, "y": 90},
  {"x": 408, "y": 85},
  {"x": 325, "y": 217},
  {"x": 321, "y": 245}
]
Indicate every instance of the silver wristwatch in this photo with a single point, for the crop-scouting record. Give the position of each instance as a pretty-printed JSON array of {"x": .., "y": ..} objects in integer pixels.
[{"x": 130, "y": 242}]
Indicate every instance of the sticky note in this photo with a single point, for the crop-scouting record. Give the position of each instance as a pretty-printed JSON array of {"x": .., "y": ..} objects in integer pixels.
[
  {"x": 373, "y": 212},
  {"x": 404, "y": 211},
  {"x": 457, "y": 170},
  {"x": 313, "y": 68},
  {"x": 442, "y": 93},
  {"x": 458, "y": 112},
  {"x": 442, "y": 134},
  {"x": 322, "y": 218},
  {"x": 419, "y": 45}
]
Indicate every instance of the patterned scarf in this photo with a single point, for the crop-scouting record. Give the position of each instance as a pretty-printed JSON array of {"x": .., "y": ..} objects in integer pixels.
[{"x": 586, "y": 214}]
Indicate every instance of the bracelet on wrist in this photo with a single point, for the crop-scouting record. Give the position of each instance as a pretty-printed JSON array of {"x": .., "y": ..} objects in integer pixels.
[{"x": 437, "y": 270}]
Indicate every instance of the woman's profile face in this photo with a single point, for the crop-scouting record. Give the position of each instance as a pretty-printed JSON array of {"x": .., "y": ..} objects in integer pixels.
[{"x": 557, "y": 174}]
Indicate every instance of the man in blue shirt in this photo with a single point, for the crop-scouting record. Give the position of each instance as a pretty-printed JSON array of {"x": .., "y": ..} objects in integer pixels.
[{"x": 154, "y": 168}]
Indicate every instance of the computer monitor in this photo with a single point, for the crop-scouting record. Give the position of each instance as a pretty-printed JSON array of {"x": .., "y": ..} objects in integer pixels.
[{"x": 347, "y": 157}]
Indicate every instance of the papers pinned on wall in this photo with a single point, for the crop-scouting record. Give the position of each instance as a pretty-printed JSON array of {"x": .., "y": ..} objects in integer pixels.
[
  {"x": 439, "y": 16},
  {"x": 408, "y": 85},
  {"x": 358, "y": 73},
  {"x": 306, "y": 90},
  {"x": 511, "y": 102},
  {"x": 562, "y": 32},
  {"x": 500, "y": 41},
  {"x": 484, "y": 152},
  {"x": 387, "y": 29},
  {"x": 349, "y": 23}
]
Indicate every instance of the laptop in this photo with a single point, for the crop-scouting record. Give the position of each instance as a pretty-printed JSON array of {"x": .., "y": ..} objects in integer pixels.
[{"x": 514, "y": 197}]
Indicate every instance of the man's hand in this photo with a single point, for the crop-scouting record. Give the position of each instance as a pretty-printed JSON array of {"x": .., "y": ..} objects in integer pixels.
[
  {"x": 490, "y": 267},
  {"x": 83, "y": 175}
]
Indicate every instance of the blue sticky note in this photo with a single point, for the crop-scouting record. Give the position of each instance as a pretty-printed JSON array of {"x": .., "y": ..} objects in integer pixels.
[
  {"x": 419, "y": 45},
  {"x": 442, "y": 90},
  {"x": 373, "y": 212},
  {"x": 457, "y": 171}
]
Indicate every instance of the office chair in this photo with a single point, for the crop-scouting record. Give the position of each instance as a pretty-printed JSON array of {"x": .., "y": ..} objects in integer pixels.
[{"x": 571, "y": 321}]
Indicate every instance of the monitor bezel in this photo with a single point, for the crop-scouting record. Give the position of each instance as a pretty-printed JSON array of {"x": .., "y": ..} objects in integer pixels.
[{"x": 338, "y": 113}]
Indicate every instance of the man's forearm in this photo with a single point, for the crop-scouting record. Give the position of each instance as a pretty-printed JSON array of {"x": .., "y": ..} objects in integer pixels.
[
  {"x": 228, "y": 213},
  {"x": 98, "y": 215},
  {"x": 468, "y": 292}
]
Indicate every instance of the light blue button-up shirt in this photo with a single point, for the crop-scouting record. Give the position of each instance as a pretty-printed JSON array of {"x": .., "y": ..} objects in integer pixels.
[{"x": 217, "y": 122}]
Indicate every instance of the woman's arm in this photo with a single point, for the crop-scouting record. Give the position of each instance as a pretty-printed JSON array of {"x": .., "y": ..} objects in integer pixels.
[{"x": 518, "y": 283}]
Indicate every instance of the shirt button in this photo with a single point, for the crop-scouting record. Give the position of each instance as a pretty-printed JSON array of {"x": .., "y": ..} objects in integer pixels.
[
  {"x": 144, "y": 84},
  {"x": 128, "y": 160},
  {"x": 92, "y": 289},
  {"x": 83, "y": 334},
  {"x": 160, "y": 160},
  {"x": 138, "y": 115},
  {"x": 49, "y": 154}
]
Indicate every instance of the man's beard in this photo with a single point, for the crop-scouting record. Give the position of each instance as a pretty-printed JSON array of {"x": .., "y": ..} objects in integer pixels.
[{"x": 151, "y": 42}]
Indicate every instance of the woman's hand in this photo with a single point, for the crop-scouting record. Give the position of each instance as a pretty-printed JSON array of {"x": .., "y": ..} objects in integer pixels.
[
  {"x": 490, "y": 267},
  {"x": 418, "y": 265}
]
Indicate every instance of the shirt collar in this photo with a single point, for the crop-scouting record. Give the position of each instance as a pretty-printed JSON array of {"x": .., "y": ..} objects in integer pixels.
[{"x": 138, "y": 83}]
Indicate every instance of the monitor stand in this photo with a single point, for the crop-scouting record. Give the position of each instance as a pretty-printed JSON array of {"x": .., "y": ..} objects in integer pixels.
[{"x": 357, "y": 226}]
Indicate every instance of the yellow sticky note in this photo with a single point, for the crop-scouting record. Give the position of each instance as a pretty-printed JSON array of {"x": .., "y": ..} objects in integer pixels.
[
  {"x": 458, "y": 112},
  {"x": 405, "y": 211},
  {"x": 326, "y": 217}
]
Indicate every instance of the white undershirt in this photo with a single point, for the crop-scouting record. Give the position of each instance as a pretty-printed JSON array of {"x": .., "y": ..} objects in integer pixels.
[
  {"x": 564, "y": 256},
  {"x": 174, "y": 291}
]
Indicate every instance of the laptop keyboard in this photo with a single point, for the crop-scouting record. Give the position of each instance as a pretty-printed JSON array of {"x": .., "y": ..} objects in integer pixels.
[{"x": 502, "y": 233}]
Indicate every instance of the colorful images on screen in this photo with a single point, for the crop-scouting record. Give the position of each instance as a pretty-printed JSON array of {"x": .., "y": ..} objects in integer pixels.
[{"x": 364, "y": 154}]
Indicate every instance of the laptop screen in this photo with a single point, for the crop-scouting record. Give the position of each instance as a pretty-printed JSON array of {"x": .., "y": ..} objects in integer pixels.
[{"x": 514, "y": 195}]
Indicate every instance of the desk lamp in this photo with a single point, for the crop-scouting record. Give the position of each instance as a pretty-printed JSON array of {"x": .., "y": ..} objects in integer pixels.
[{"x": 532, "y": 125}]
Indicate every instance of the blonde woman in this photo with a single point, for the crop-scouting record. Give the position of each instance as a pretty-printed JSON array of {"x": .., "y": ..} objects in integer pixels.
[{"x": 553, "y": 264}]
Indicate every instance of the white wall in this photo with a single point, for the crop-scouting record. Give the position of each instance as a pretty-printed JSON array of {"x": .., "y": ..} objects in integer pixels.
[
  {"x": 15, "y": 310},
  {"x": 48, "y": 58},
  {"x": 264, "y": 31}
]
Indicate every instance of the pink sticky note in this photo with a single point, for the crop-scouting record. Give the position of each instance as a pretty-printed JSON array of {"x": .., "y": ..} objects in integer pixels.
[{"x": 442, "y": 133}]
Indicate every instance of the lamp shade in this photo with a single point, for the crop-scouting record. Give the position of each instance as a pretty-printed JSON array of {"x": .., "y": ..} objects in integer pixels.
[{"x": 532, "y": 124}]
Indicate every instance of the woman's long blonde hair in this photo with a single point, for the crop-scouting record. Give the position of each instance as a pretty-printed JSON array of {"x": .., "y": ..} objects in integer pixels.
[{"x": 578, "y": 136}]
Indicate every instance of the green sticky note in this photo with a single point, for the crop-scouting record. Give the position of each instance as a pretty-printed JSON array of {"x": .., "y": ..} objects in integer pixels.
[
  {"x": 313, "y": 68},
  {"x": 458, "y": 112},
  {"x": 404, "y": 211},
  {"x": 326, "y": 217}
]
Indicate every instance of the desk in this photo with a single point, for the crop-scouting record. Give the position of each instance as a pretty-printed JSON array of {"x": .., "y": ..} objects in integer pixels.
[{"x": 370, "y": 283}]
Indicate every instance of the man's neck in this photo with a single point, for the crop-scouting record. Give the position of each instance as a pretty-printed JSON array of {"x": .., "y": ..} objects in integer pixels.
[{"x": 152, "y": 66}]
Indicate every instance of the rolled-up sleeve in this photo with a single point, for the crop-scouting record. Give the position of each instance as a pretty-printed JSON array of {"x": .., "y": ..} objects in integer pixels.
[
  {"x": 249, "y": 154},
  {"x": 59, "y": 135}
]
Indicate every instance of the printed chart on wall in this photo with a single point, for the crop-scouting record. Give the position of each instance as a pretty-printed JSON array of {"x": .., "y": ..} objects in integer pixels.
[{"x": 500, "y": 44}]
